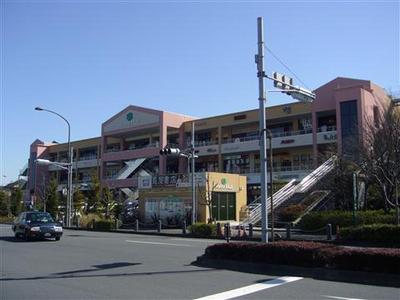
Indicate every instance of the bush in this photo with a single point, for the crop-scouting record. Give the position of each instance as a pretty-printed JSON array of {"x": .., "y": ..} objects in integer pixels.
[
  {"x": 203, "y": 230},
  {"x": 380, "y": 233},
  {"x": 291, "y": 212},
  {"x": 86, "y": 221},
  {"x": 315, "y": 220},
  {"x": 104, "y": 225},
  {"x": 6, "y": 219},
  {"x": 309, "y": 254}
]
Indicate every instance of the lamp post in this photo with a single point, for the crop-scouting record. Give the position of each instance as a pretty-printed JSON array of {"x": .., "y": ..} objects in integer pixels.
[{"x": 69, "y": 166}]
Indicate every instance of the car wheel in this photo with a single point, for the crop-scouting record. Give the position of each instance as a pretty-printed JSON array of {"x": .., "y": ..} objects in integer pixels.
[
  {"x": 57, "y": 238},
  {"x": 26, "y": 237}
]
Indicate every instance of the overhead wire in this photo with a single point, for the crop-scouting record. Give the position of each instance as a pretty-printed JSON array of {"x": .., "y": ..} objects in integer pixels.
[{"x": 286, "y": 66}]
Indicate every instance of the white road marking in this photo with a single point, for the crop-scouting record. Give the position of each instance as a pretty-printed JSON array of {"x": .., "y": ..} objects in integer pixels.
[
  {"x": 196, "y": 240},
  {"x": 250, "y": 289},
  {"x": 158, "y": 243},
  {"x": 342, "y": 298}
]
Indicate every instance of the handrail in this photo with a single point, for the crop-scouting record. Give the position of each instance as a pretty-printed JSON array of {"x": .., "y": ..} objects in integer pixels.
[
  {"x": 311, "y": 207},
  {"x": 290, "y": 189}
]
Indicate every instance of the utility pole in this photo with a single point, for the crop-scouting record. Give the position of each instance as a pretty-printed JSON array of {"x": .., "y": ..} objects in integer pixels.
[
  {"x": 271, "y": 190},
  {"x": 194, "y": 206},
  {"x": 397, "y": 204},
  {"x": 262, "y": 100}
]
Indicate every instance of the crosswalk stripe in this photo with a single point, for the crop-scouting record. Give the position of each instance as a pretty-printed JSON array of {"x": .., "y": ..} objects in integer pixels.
[{"x": 251, "y": 288}]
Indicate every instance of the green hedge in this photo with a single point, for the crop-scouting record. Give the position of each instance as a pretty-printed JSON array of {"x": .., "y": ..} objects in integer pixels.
[
  {"x": 315, "y": 220},
  {"x": 6, "y": 219},
  {"x": 203, "y": 230},
  {"x": 291, "y": 212},
  {"x": 104, "y": 225},
  {"x": 380, "y": 233},
  {"x": 309, "y": 254}
]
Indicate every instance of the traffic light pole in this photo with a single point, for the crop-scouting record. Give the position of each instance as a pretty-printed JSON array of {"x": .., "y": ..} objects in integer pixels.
[{"x": 263, "y": 149}]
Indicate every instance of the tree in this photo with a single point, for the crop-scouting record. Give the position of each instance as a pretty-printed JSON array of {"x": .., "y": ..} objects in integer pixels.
[
  {"x": 107, "y": 201},
  {"x": 380, "y": 155},
  {"x": 94, "y": 197},
  {"x": 16, "y": 201},
  {"x": 52, "y": 199},
  {"x": 206, "y": 196},
  {"x": 79, "y": 200},
  {"x": 4, "y": 204}
]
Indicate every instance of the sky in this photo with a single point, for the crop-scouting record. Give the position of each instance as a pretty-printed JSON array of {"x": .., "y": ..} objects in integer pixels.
[{"x": 88, "y": 60}]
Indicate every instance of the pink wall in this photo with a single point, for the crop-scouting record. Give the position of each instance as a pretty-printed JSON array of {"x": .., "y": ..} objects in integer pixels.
[
  {"x": 166, "y": 120},
  {"x": 330, "y": 95}
]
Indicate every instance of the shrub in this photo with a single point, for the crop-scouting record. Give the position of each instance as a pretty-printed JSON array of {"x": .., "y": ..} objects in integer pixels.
[
  {"x": 203, "y": 230},
  {"x": 291, "y": 212},
  {"x": 86, "y": 221},
  {"x": 104, "y": 225},
  {"x": 309, "y": 254},
  {"x": 380, "y": 233},
  {"x": 6, "y": 219},
  {"x": 315, "y": 220}
]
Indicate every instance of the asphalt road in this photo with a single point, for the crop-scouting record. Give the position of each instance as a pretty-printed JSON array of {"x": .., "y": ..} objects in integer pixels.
[{"x": 94, "y": 265}]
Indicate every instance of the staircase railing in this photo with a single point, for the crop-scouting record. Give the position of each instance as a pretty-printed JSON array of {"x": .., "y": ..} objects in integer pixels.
[
  {"x": 255, "y": 212},
  {"x": 289, "y": 190},
  {"x": 316, "y": 175}
]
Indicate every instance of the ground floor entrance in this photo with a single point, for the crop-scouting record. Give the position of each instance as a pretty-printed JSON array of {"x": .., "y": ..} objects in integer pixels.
[{"x": 224, "y": 206}]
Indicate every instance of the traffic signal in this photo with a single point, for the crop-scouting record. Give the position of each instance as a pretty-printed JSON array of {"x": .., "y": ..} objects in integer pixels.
[
  {"x": 281, "y": 81},
  {"x": 170, "y": 151}
]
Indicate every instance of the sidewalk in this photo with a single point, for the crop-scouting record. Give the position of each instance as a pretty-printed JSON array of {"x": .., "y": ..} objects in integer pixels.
[{"x": 280, "y": 234}]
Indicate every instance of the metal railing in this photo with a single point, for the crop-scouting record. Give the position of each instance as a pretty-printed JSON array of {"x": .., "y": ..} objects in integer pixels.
[
  {"x": 289, "y": 190},
  {"x": 255, "y": 207},
  {"x": 87, "y": 157},
  {"x": 326, "y": 129}
]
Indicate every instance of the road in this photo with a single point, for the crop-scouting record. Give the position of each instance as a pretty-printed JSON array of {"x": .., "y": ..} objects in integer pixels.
[{"x": 97, "y": 265}]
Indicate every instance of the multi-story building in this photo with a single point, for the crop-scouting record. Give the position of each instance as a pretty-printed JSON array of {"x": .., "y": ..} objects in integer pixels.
[{"x": 130, "y": 141}]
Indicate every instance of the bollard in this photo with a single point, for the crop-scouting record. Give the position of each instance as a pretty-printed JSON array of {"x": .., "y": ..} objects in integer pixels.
[
  {"x": 184, "y": 227},
  {"x": 77, "y": 222},
  {"x": 116, "y": 224},
  {"x": 227, "y": 232},
  {"x": 219, "y": 229},
  {"x": 288, "y": 229},
  {"x": 244, "y": 235},
  {"x": 329, "y": 232},
  {"x": 93, "y": 224},
  {"x": 159, "y": 226},
  {"x": 137, "y": 225},
  {"x": 250, "y": 230}
]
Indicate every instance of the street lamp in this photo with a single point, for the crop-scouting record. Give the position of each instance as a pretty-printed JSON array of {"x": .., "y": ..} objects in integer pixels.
[{"x": 68, "y": 167}]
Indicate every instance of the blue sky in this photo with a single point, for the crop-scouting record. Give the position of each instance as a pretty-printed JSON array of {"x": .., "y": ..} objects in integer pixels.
[{"x": 90, "y": 59}]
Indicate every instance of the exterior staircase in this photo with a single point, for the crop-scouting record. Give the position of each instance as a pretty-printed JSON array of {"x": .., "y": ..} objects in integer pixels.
[
  {"x": 291, "y": 193},
  {"x": 130, "y": 167}
]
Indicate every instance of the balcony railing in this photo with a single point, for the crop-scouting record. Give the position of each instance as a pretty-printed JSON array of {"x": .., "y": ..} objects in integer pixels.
[
  {"x": 87, "y": 157},
  {"x": 204, "y": 143},
  {"x": 326, "y": 128},
  {"x": 274, "y": 135},
  {"x": 150, "y": 145},
  {"x": 287, "y": 168}
]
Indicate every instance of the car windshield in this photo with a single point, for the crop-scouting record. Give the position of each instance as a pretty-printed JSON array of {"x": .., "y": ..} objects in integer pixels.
[{"x": 40, "y": 218}]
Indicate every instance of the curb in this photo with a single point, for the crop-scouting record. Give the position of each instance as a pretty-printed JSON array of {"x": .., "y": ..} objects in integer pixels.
[{"x": 358, "y": 277}]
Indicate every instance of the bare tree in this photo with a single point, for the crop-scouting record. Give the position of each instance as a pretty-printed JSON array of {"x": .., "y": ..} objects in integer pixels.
[
  {"x": 380, "y": 155},
  {"x": 206, "y": 196}
]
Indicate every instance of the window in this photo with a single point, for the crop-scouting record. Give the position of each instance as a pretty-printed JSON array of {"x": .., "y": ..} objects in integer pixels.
[
  {"x": 239, "y": 117},
  {"x": 349, "y": 120}
]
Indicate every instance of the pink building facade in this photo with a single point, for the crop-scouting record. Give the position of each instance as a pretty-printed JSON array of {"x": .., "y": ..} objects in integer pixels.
[{"x": 130, "y": 141}]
